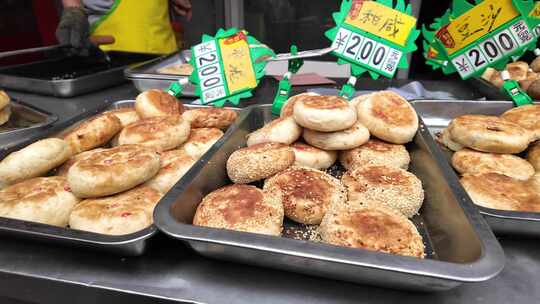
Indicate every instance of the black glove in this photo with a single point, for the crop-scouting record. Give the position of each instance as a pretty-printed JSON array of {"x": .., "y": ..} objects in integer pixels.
[{"x": 73, "y": 30}]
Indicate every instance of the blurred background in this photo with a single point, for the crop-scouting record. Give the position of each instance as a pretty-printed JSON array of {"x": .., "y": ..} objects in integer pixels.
[{"x": 277, "y": 23}]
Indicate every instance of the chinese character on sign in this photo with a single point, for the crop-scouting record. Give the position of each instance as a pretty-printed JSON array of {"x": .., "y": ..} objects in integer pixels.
[
  {"x": 234, "y": 73},
  {"x": 370, "y": 16},
  {"x": 522, "y": 31},
  {"x": 391, "y": 25},
  {"x": 465, "y": 29},
  {"x": 237, "y": 53},
  {"x": 488, "y": 20}
]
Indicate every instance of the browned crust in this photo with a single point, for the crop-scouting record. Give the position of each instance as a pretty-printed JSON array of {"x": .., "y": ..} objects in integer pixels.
[
  {"x": 305, "y": 193},
  {"x": 154, "y": 131},
  {"x": 204, "y": 135},
  {"x": 33, "y": 191},
  {"x": 210, "y": 117},
  {"x": 377, "y": 229},
  {"x": 392, "y": 109},
  {"x": 527, "y": 116},
  {"x": 94, "y": 132},
  {"x": 305, "y": 147},
  {"x": 124, "y": 205},
  {"x": 115, "y": 159},
  {"x": 517, "y": 70},
  {"x": 472, "y": 162},
  {"x": 259, "y": 161},
  {"x": 4, "y": 99},
  {"x": 390, "y": 186},
  {"x": 63, "y": 170},
  {"x": 323, "y": 102},
  {"x": 239, "y": 207},
  {"x": 163, "y": 102},
  {"x": 498, "y": 191},
  {"x": 489, "y": 134}
]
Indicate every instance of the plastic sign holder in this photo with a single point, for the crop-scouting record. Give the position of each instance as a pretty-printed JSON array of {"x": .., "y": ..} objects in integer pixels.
[
  {"x": 225, "y": 67},
  {"x": 373, "y": 37},
  {"x": 284, "y": 88},
  {"x": 513, "y": 90},
  {"x": 295, "y": 61}
]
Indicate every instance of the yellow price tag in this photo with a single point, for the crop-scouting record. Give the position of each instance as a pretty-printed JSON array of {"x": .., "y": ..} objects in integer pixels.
[
  {"x": 483, "y": 19},
  {"x": 237, "y": 64},
  {"x": 381, "y": 21},
  {"x": 535, "y": 11}
]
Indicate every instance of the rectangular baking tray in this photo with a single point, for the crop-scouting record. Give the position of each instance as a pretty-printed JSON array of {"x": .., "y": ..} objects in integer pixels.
[
  {"x": 437, "y": 114},
  {"x": 126, "y": 245},
  {"x": 145, "y": 75},
  {"x": 69, "y": 76},
  {"x": 24, "y": 119},
  {"x": 460, "y": 246},
  {"x": 486, "y": 89}
]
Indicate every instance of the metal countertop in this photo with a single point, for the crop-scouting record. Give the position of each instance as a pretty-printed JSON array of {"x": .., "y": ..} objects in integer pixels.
[{"x": 39, "y": 273}]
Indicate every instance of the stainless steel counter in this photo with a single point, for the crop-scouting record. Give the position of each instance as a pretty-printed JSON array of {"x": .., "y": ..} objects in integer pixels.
[{"x": 39, "y": 273}]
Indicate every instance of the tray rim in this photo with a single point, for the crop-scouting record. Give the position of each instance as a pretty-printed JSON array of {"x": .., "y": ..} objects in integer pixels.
[
  {"x": 137, "y": 71},
  {"x": 10, "y": 226},
  {"x": 495, "y": 213},
  {"x": 51, "y": 87},
  {"x": 50, "y": 118},
  {"x": 488, "y": 265}
]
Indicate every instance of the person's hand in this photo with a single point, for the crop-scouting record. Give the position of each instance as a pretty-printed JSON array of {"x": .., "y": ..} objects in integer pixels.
[
  {"x": 73, "y": 28},
  {"x": 182, "y": 8}
]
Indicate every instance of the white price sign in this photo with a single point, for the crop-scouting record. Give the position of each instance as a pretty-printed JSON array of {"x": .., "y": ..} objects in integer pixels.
[
  {"x": 367, "y": 52},
  {"x": 209, "y": 71},
  {"x": 504, "y": 43}
]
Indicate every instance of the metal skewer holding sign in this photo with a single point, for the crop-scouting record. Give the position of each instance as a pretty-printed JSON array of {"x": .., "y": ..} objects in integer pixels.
[
  {"x": 228, "y": 67},
  {"x": 470, "y": 38},
  {"x": 372, "y": 36},
  {"x": 296, "y": 60}
]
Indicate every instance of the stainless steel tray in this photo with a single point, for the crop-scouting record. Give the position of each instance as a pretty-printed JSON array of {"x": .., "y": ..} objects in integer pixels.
[
  {"x": 24, "y": 119},
  {"x": 486, "y": 89},
  {"x": 437, "y": 114},
  {"x": 85, "y": 75},
  {"x": 127, "y": 245},
  {"x": 461, "y": 247},
  {"x": 145, "y": 76}
]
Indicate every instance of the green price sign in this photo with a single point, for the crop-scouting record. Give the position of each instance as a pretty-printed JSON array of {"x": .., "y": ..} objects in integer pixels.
[
  {"x": 373, "y": 36},
  {"x": 469, "y": 38},
  {"x": 226, "y": 66}
]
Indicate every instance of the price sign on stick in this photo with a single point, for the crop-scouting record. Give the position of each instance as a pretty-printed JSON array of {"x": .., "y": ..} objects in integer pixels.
[
  {"x": 469, "y": 38},
  {"x": 373, "y": 36},
  {"x": 226, "y": 66}
]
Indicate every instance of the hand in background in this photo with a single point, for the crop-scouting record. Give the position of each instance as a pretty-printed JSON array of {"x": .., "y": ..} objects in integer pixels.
[
  {"x": 73, "y": 28},
  {"x": 182, "y": 8}
]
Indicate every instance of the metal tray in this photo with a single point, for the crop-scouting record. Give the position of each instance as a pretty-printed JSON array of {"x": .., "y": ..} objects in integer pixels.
[
  {"x": 145, "y": 76},
  {"x": 437, "y": 114},
  {"x": 461, "y": 247},
  {"x": 486, "y": 89},
  {"x": 24, "y": 118},
  {"x": 127, "y": 245},
  {"x": 69, "y": 76}
]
